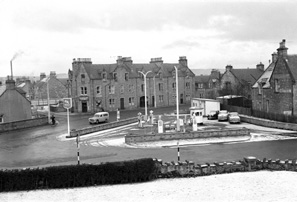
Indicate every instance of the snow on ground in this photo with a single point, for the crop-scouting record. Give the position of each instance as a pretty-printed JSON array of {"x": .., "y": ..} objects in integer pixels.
[{"x": 246, "y": 186}]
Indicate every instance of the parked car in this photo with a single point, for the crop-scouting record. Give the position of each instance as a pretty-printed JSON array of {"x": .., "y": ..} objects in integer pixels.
[
  {"x": 223, "y": 115},
  {"x": 233, "y": 117},
  {"x": 99, "y": 117},
  {"x": 213, "y": 115}
]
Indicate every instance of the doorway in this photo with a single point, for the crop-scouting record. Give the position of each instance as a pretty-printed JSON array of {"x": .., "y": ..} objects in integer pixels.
[
  {"x": 84, "y": 106},
  {"x": 122, "y": 103},
  {"x": 182, "y": 98},
  {"x": 142, "y": 101},
  {"x": 153, "y": 101}
]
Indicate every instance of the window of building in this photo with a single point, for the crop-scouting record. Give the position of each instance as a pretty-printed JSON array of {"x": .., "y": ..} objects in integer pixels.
[
  {"x": 83, "y": 91},
  {"x": 188, "y": 97},
  {"x": 142, "y": 87},
  {"x": 83, "y": 78},
  {"x": 98, "y": 90},
  {"x": 160, "y": 86},
  {"x": 122, "y": 89},
  {"x": 173, "y": 85},
  {"x": 188, "y": 85},
  {"x": 200, "y": 85},
  {"x": 126, "y": 76},
  {"x": 160, "y": 75},
  {"x": 161, "y": 98},
  {"x": 131, "y": 100},
  {"x": 201, "y": 95},
  {"x": 131, "y": 88},
  {"x": 173, "y": 97},
  {"x": 260, "y": 89},
  {"x": 276, "y": 85},
  {"x": 228, "y": 85},
  {"x": 111, "y": 89},
  {"x": 104, "y": 76},
  {"x": 115, "y": 76},
  {"x": 267, "y": 105},
  {"x": 111, "y": 102},
  {"x": 1, "y": 118}
]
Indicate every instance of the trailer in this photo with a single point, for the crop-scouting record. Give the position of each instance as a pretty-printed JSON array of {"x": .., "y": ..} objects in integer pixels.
[{"x": 207, "y": 105}]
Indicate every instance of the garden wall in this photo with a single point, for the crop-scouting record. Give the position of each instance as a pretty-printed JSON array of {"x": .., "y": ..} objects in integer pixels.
[
  {"x": 268, "y": 123},
  {"x": 28, "y": 123},
  {"x": 132, "y": 138}
]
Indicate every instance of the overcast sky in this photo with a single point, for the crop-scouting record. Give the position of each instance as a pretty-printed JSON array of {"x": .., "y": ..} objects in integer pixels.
[{"x": 45, "y": 35}]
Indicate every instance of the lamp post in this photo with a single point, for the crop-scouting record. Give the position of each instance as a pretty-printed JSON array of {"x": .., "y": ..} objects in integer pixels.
[
  {"x": 48, "y": 105},
  {"x": 145, "y": 103},
  {"x": 155, "y": 100},
  {"x": 177, "y": 104}
]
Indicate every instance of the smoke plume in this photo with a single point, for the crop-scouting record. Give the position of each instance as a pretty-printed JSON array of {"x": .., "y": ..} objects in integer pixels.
[{"x": 16, "y": 55}]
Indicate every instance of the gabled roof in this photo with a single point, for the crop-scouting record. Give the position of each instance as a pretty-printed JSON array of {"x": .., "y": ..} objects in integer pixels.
[
  {"x": 292, "y": 64},
  {"x": 265, "y": 77},
  {"x": 247, "y": 75}
]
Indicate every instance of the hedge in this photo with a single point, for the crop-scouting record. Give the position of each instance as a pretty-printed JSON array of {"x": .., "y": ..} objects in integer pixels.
[{"x": 83, "y": 175}]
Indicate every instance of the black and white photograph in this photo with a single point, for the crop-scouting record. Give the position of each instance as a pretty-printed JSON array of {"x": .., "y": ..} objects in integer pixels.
[{"x": 148, "y": 100}]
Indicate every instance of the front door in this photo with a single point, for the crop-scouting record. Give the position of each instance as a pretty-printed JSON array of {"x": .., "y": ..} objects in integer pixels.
[
  {"x": 122, "y": 103},
  {"x": 142, "y": 102},
  {"x": 84, "y": 106},
  {"x": 153, "y": 101},
  {"x": 181, "y": 98}
]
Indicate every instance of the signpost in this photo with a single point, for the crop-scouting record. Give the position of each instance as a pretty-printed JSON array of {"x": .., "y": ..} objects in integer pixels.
[{"x": 67, "y": 104}]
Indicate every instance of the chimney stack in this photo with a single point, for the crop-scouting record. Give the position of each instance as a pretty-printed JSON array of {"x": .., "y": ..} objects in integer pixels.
[
  {"x": 183, "y": 61},
  {"x": 156, "y": 60},
  {"x": 42, "y": 75},
  {"x": 260, "y": 66},
  {"x": 282, "y": 50},
  {"x": 229, "y": 67}
]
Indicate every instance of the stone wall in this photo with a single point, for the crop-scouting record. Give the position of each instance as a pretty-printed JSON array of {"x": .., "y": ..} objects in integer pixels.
[
  {"x": 268, "y": 123},
  {"x": 100, "y": 127},
  {"x": 28, "y": 123},
  {"x": 131, "y": 138},
  {"x": 190, "y": 169}
]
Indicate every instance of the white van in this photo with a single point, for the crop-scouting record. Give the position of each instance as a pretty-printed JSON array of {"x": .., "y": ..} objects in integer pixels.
[{"x": 99, "y": 117}]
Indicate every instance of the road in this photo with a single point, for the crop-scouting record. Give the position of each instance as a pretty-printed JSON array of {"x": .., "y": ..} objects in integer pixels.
[{"x": 45, "y": 145}]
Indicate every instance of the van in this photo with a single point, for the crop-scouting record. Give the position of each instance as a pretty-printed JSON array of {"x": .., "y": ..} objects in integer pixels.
[{"x": 99, "y": 117}]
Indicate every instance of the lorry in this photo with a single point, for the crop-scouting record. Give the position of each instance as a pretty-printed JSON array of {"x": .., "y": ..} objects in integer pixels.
[{"x": 207, "y": 105}]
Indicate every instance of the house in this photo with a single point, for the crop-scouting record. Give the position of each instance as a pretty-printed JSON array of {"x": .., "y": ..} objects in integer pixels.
[
  {"x": 239, "y": 81},
  {"x": 121, "y": 85},
  {"x": 52, "y": 86},
  {"x": 14, "y": 106},
  {"x": 26, "y": 86},
  {"x": 207, "y": 86},
  {"x": 276, "y": 90}
]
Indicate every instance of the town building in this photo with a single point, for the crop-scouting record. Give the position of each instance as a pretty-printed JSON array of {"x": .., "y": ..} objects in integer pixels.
[
  {"x": 276, "y": 90},
  {"x": 54, "y": 88},
  {"x": 122, "y": 85},
  {"x": 239, "y": 81},
  {"x": 14, "y": 106},
  {"x": 207, "y": 86}
]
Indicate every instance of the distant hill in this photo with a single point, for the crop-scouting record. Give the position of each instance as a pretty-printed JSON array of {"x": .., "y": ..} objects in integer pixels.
[{"x": 199, "y": 72}]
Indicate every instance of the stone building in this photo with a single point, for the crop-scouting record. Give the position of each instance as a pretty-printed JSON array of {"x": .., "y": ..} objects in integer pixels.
[
  {"x": 122, "y": 86},
  {"x": 239, "y": 81},
  {"x": 207, "y": 86},
  {"x": 276, "y": 90},
  {"x": 14, "y": 106},
  {"x": 57, "y": 89}
]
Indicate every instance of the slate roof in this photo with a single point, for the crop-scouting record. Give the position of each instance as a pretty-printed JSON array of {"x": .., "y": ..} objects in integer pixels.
[
  {"x": 292, "y": 63},
  {"x": 265, "y": 77},
  {"x": 247, "y": 75},
  {"x": 94, "y": 70},
  {"x": 202, "y": 79},
  {"x": 19, "y": 89}
]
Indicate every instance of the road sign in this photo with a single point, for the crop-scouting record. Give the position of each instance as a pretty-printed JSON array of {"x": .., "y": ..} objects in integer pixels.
[{"x": 67, "y": 103}]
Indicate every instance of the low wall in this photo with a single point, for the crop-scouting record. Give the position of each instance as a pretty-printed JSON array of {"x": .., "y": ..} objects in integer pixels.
[
  {"x": 28, "y": 123},
  {"x": 131, "y": 138},
  {"x": 268, "y": 123},
  {"x": 100, "y": 127},
  {"x": 190, "y": 169}
]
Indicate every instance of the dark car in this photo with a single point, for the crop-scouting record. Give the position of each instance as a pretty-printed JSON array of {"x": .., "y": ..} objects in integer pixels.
[{"x": 213, "y": 115}]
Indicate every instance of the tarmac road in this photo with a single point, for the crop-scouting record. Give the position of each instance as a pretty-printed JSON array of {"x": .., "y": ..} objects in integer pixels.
[{"x": 43, "y": 146}]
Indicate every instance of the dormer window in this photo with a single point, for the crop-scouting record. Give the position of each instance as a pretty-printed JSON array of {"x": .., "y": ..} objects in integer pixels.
[
  {"x": 104, "y": 76},
  {"x": 115, "y": 76},
  {"x": 83, "y": 78},
  {"x": 276, "y": 85}
]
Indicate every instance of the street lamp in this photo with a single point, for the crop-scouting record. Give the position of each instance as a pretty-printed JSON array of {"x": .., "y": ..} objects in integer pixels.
[
  {"x": 48, "y": 105},
  {"x": 145, "y": 103},
  {"x": 155, "y": 100},
  {"x": 177, "y": 104}
]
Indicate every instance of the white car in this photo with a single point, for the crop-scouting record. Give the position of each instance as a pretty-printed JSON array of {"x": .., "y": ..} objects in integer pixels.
[
  {"x": 99, "y": 117},
  {"x": 233, "y": 117},
  {"x": 223, "y": 115}
]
